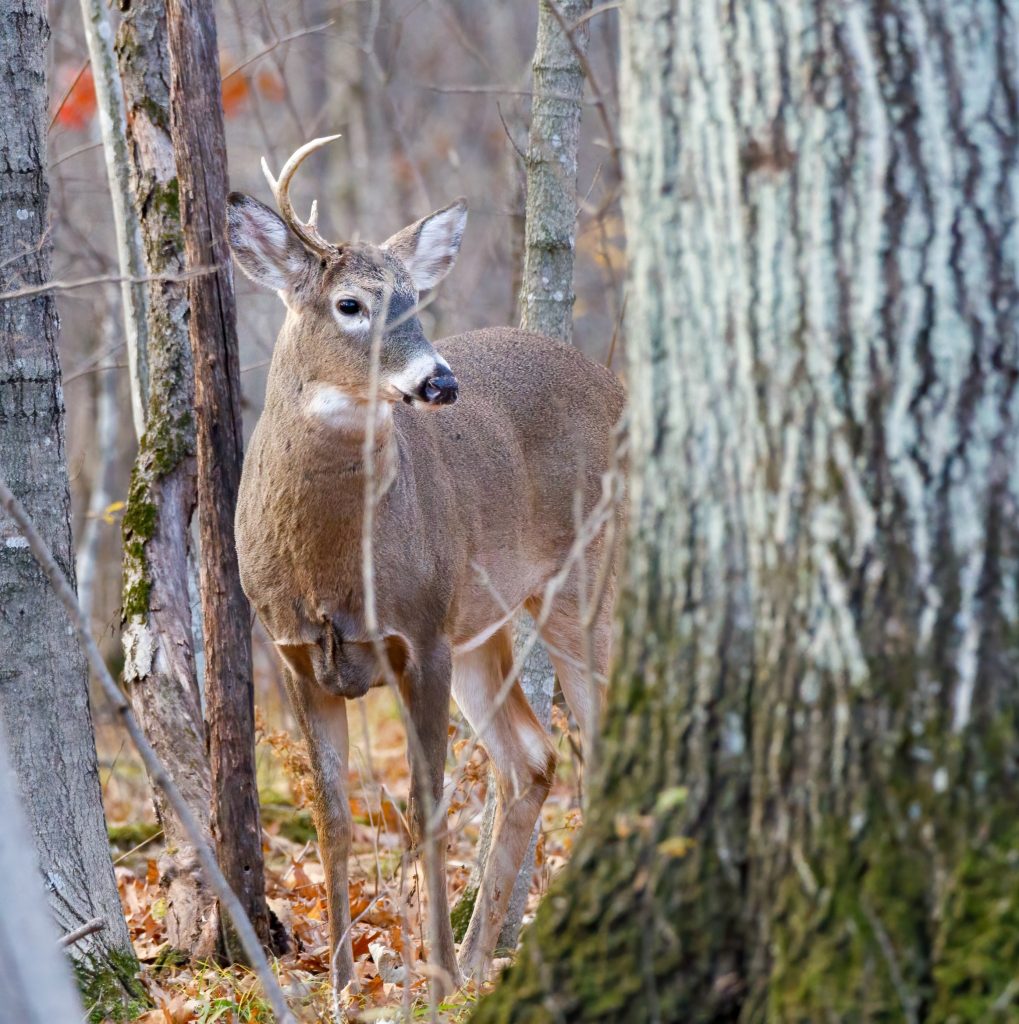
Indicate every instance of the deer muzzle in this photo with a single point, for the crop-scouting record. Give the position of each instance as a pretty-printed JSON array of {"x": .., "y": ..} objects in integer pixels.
[{"x": 442, "y": 389}]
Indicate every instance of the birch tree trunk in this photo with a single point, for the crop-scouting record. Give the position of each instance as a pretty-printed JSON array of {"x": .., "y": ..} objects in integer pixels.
[
  {"x": 805, "y": 808},
  {"x": 44, "y": 707},
  {"x": 159, "y": 658},
  {"x": 196, "y": 123},
  {"x": 110, "y": 103},
  {"x": 546, "y": 307}
]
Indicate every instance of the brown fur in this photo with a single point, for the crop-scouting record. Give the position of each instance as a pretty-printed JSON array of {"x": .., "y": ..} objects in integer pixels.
[{"x": 477, "y": 513}]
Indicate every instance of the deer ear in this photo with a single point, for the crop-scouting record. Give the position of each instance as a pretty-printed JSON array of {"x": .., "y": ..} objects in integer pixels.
[
  {"x": 428, "y": 248},
  {"x": 264, "y": 247}
]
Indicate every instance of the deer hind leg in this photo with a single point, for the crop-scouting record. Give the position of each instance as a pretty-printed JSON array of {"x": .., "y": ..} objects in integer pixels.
[
  {"x": 581, "y": 662},
  {"x": 524, "y": 764},
  {"x": 425, "y": 693},
  {"x": 323, "y": 719}
]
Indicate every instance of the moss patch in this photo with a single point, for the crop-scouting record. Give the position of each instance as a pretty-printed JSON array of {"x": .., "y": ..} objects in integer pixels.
[{"x": 110, "y": 990}]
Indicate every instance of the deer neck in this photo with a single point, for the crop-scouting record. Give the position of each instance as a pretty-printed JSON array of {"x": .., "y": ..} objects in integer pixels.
[{"x": 336, "y": 430}]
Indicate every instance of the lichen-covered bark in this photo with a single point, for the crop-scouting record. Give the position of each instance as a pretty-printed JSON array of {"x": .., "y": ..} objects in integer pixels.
[
  {"x": 806, "y": 800},
  {"x": 159, "y": 661},
  {"x": 44, "y": 707}
]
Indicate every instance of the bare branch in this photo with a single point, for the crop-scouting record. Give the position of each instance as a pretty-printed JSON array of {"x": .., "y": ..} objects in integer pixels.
[{"x": 85, "y": 282}]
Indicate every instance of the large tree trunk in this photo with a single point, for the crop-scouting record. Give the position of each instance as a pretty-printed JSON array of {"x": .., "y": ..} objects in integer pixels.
[
  {"x": 43, "y": 677},
  {"x": 546, "y": 307},
  {"x": 200, "y": 148},
  {"x": 820, "y": 632},
  {"x": 159, "y": 659}
]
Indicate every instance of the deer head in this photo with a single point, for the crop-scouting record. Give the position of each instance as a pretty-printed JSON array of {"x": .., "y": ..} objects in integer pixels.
[{"x": 339, "y": 295}]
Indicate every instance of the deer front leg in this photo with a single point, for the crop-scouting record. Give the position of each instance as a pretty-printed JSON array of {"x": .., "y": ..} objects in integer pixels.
[
  {"x": 323, "y": 719},
  {"x": 425, "y": 694}
]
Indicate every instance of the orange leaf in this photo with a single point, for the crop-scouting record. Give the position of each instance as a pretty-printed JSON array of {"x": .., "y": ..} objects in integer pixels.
[
  {"x": 235, "y": 94},
  {"x": 79, "y": 104}
]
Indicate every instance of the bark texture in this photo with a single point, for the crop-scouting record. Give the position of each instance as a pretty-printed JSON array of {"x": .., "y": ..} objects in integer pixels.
[
  {"x": 44, "y": 707},
  {"x": 550, "y": 231},
  {"x": 546, "y": 307},
  {"x": 805, "y": 805},
  {"x": 159, "y": 658},
  {"x": 196, "y": 121}
]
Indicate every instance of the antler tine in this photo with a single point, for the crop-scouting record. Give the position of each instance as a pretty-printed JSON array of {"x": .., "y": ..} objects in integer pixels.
[{"x": 306, "y": 231}]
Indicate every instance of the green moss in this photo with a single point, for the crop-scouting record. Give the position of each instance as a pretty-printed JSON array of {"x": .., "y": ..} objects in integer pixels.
[
  {"x": 111, "y": 990},
  {"x": 126, "y": 837},
  {"x": 460, "y": 915},
  {"x": 975, "y": 962}
]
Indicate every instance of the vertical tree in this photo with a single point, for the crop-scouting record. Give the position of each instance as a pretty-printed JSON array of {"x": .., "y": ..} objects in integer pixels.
[
  {"x": 196, "y": 122},
  {"x": 805, "y": 805},
  {"x": 43, "y": 677},
  {"x": 546, "y": 307},
  {"x": 159, "y": 660}
]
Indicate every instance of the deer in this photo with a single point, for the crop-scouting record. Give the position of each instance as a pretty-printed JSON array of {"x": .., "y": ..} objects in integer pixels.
[{"x": 480, "y": 447}]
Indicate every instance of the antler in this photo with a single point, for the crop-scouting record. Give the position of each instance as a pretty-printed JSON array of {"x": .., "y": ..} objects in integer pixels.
[{"x": 307, "y": 231}]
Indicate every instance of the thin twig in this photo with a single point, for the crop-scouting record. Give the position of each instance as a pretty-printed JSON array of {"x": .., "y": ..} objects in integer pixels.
[
  {"x": 279, "y": 41},
  {"x": 157, "y": 773},
  {"x": 85, "y": 282},
  {"x": 97, "y": 924}
]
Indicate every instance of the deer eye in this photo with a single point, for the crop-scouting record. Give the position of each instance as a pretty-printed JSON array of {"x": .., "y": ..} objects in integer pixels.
[{"x": 349, "y": 307}]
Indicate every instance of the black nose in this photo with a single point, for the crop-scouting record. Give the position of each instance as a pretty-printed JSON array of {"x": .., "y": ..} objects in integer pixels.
[{"x": 441, "y": 389}]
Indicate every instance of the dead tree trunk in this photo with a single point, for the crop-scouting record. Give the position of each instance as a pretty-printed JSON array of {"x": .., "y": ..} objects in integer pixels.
[
  {"x": 546, "y": 307},
  {"x": 159, "y": 660},
  {"x": 44, "y": 707},
  {"x": 197, "y": 128},
  {"x": 805, "y": 809}
]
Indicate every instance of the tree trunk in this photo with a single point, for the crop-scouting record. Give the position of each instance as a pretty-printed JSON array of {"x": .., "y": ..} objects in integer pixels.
[
  {"x": 197, "y": 127},
  {"x": 43, "y": 677},
  {"x": 35, "y": 979},
  {"x": 159, "y": 659},
  {"x": 805, "y": 809},
  {"x": 110, "y": 101}
]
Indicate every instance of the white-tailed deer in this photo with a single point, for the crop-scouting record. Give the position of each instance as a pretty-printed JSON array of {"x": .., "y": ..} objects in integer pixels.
[{"x": 477, "y": 510}]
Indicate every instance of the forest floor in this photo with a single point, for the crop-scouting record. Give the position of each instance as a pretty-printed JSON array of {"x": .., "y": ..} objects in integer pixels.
[{"x": 385, "y": 886}]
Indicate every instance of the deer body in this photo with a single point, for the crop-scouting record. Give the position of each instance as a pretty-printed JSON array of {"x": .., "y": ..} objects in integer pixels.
[{"x": 476, "y": 509}]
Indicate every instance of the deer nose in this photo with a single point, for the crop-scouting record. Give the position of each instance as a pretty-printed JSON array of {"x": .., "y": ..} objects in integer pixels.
[{"x": 440, "y": 389}]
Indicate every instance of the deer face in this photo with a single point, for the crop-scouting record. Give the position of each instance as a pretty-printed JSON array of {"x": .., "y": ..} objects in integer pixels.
[{"x": 341, "y": 298}]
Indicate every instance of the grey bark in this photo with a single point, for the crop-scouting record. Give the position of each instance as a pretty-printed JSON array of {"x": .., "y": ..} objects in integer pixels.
[
  {"x": 805, "y": 810},
  {"x": 35, "y": 981},
  {"x": 112, "y": 126},
  {"x": 158, "y": 633},
  {"x": 43, "y": 676},
  {"x": 546, "y": 306}
]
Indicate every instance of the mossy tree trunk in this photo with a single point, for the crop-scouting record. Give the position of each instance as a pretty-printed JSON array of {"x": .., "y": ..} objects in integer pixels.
[
  {"x": 44, "y": 709},
  {"x": 159, "y": 658},
  {"x": 805, "y": 809}
]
